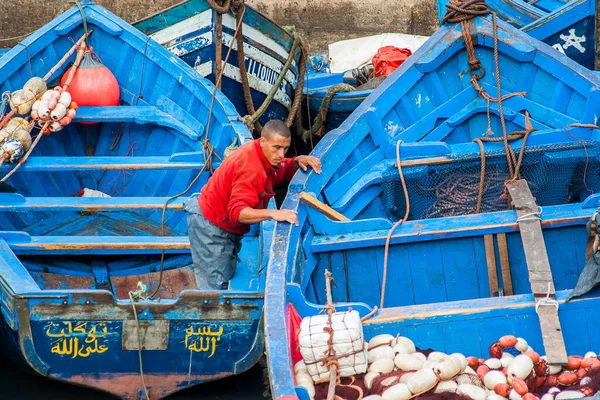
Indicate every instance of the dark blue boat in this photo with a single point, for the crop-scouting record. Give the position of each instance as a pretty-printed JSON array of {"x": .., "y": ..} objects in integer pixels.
[
  {"x": 189, "y": 30},
  {"x": 459, "y": 247},
  {"x": 84, "y": 296},
  {"x": 569, "y": 26}
]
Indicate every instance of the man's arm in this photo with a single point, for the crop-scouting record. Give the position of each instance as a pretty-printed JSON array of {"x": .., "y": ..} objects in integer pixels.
[{"x": 252, "y": 216}]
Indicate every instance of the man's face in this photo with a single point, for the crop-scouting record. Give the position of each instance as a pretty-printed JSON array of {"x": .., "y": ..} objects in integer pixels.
[{"x": 274, "y": 148}]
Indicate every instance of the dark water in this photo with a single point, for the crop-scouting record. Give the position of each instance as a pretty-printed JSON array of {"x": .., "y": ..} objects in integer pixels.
[{"x": 17, "y": 385}]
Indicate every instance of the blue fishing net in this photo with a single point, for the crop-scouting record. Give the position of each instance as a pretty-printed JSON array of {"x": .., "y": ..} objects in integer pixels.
[{"x": 556, "y": 174}]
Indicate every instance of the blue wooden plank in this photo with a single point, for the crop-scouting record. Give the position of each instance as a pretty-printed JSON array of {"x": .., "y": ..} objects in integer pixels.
[
  {"x": 364, "y": 265},
  {"x": 66, "y": 163},
  {"x": 16, "y": 202},
  {"x": 14, "y": 278},
  {"x": 99, "y": 245},
  {"x": 427, "y": 270},
  {"x": 399, "y": 288},
  {"x": 361, "y": 202},
  {"x": 451, "y": 227},
  {"x": 136, "y": 114},
  {"x": 460, "y": 272}
]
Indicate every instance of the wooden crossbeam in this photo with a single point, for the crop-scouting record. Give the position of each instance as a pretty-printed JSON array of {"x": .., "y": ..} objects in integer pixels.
[
  {"x": 16, "y": 202},
  {"x": 321, "y": 207},
  {"x": 52, "y": 164},
  {"x": 538, "y": 265},
  {"x": 91, "y": 245}
]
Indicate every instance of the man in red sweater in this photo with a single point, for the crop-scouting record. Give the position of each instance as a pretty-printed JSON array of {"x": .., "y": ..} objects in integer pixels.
[{"x": 236, "y": 196}]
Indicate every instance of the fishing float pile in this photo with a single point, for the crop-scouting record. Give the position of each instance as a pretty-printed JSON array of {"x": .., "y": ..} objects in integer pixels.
[
  {"x": 398, "y": 370},
  {"x": 51, "y": 110}
]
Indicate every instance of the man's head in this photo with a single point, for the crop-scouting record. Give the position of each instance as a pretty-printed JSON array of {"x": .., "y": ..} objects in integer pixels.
[{"x": 275, "y": 141}]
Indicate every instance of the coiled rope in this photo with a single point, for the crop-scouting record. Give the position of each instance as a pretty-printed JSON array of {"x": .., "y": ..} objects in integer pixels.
[{"x": 237, "y": 8}]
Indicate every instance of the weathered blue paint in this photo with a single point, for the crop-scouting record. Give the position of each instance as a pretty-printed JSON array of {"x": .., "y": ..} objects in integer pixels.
[
  {"x": 437, "y": 290},
  {"x": 67, "y": 262},
  {"x": 192, "y": 37},
  {"x": 568, "y": 26}
]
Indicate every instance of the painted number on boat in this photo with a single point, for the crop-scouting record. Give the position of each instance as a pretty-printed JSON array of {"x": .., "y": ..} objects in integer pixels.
[
  {"x": 201, "y": 339},
  {"x": 77, "y": 339},
  {"x": 571, "y": 40}
]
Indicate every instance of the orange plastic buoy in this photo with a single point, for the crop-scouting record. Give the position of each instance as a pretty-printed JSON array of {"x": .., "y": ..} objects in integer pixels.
[
  {"x": 507, "y": 341},
  {"x": 502, "y": 389},
  {"x": 519, "y": 385},
  {"x": 93, "y": 84},
  {"x": 567, "y": 378}
]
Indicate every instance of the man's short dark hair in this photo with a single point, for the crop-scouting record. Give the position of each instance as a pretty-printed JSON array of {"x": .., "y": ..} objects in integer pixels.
[{"x": 276, "y": 127}]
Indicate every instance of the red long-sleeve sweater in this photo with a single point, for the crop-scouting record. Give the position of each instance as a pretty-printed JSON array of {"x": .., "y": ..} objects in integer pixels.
[{"x": 244, "y": 179}]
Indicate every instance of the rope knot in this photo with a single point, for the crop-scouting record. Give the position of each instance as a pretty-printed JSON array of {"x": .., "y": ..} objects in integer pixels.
[
  {"x": 464, "y": 10},
  {"x": 220, "y": 8}
]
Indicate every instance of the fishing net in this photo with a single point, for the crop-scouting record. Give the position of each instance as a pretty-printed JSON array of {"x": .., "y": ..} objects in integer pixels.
[
  {"x": 557, "y": 174},
  {"x": 353, "y": 388}
]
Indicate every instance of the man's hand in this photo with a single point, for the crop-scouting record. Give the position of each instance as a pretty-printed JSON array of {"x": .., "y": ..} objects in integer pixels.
[
  {"x": 285, "y": 216},
  {"x": 308, "y": 161}
]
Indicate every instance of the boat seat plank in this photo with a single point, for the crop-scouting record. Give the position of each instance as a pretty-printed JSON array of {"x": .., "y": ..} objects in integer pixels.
[
  {"x": 95, "y": 245},
  {"x": 16, "y": 202},
  {"x": 135, "y": 114},
  {"x": 540, "y": 275},
  {"x": 52, "y": 164}
]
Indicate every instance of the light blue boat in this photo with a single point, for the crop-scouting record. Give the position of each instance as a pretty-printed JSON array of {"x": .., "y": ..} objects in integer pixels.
[
  {"x": 69, "y": 264},
  {"x": 460, "y": 247}
]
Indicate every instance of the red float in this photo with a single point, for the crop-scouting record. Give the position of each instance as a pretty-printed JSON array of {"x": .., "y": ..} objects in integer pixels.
[{"x": 93, "y": 84}]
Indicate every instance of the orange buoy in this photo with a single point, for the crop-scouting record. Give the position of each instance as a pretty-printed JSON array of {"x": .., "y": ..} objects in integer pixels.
[{"x": 93, "y": 83}]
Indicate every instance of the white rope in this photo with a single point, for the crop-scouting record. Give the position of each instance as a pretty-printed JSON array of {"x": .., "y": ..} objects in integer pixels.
[
  {"x": 190, "y": 370},
  {"x": 546, "y": 301},
  {"x": 534, "y": 216}
]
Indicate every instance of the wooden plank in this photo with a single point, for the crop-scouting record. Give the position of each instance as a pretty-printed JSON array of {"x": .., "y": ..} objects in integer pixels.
[
  {"x": 321, "y": 207},
  {"x": 504, "y": 264},
  {"x": 540, "y": 275},
  {"x": 16, "y": 202},
  {"x": 536, "y": 256},
  {"x": 425, "y": 161},
  {"x": 138, "y": 115},
  {"x": 552, "y": 334},
  {"x": 43, "y": 163},
  {"x": 490, "y": 257},
  {"x": 90, "y": 245}
]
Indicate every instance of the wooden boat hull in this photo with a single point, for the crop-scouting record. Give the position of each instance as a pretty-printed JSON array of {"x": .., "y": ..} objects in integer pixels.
[
  {"x": 68, "y": 264},
  {"x": 187, "y": 31},
  {"x": 569, "y": 28}
]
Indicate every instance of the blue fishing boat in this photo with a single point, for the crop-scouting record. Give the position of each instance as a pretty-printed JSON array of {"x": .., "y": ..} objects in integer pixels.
[
  {"x": 203, "y": 34},
  {"x": 96, "y": 283},
  {"x": 3, "y": 52},
  {"x": 453, "y": 276},
  {"x": 568, "y": 26}
]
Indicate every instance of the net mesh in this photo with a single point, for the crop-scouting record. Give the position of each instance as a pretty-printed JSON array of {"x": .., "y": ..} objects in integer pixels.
[{"x": 557, "y": 174}]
